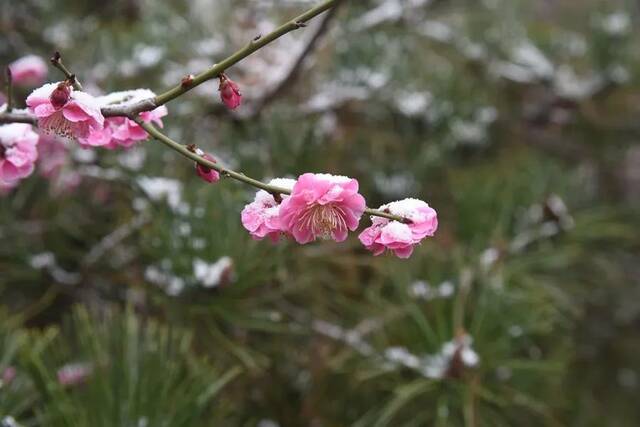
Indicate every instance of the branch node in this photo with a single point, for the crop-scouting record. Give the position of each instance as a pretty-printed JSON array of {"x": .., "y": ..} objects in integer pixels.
[
  {"x": 187, "y": 81},
  {"x": 256, "y": 38},
  {"x": 300, "y": 24}
]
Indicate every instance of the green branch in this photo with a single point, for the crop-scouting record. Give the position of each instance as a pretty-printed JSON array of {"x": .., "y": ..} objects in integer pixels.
[
  {"x": 213, "y": 72},
  {"x": 185, "y": 151},
  {"x": 256, "y": 44}
]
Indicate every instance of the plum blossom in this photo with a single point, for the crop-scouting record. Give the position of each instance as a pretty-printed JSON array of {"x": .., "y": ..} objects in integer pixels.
[
  {"x": 65, "y": 112},
  {"x": 207, "y": 174},
  {"x": 322, "y": 205},
  {"x": 18, "y": 153},
  {"x": 229, "y": 92},
  {"x": 30, "y": 70},
  {"x": 121, "y": 132},
  {"x": 262, "y": 216},
  {"x": 396, "y": 236}
]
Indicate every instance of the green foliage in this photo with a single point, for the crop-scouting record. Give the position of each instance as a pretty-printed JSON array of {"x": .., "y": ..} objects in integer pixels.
[{"x": 117, "y": 369}]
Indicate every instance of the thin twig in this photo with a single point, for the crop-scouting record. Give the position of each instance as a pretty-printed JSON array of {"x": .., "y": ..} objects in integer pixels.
[
  {"x": 184, "y": 150},
  {"x": 18, "y": 117},
  {"x": 212, "y": 73},
  {"x": 56, "y": 61},
  {"x": 251, "y": 47}
]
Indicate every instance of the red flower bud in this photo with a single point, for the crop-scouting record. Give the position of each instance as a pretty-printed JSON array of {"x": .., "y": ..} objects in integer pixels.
[
  {"x": 229, "y": 92},
  {"x": 60, "y": 95},
  {"x": 207, "y": 174}
]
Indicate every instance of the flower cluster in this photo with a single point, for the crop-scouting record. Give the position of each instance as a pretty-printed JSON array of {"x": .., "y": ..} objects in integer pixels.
[
  {"x": 328, "y": 207},
  {"x": 315, "y": 206},
  {"x": 66, "y": 112},
  {"x": 121, "y": 132},
  {"x": 61, "y": 110}
]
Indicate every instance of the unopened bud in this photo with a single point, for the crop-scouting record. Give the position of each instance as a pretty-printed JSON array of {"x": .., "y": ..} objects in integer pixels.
[{"x": 60, "y": 95}]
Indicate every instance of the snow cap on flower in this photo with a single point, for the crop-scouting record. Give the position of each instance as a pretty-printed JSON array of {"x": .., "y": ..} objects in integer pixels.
[
  {"x": 121, "y": 132},
  {"x": 229, "y": 92},
  {"x": 262, "y": 216},
  {"x": 18, "y": 153},
  {"x": 397, "y": 236},
  {"x": 207, "y": 174},
  {"x": 322, "y": 205},
  {"x": 65, "y": 112},
  {"x": 30, "y": 70}
]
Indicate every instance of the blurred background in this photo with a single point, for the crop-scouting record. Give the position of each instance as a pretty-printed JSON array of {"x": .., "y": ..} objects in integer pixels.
[{"x": 131, "y": 295}]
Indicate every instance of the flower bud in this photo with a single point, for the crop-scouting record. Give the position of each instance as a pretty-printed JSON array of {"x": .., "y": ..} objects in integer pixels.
[
  {"x": 60, "y": 95},
  {"x": 207, "y": 174},
  {"x": 229, "y": 92}
]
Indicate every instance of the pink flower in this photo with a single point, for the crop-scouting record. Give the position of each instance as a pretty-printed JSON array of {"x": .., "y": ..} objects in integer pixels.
[
  {"x": 209, "y": 175},
  {"x": 123, "y": 132},
  {"x": 65, "y": 112},
  {"x": 229, "y": 92},
  {"x": 18, "y": 153},
  {"x": 399, "y": 237},
  {"x": 101, "y": 137},
  {"x": 322, "y": 205},
  {"x": 30, "y": 70},
  {"x": 262, "y": 216}
]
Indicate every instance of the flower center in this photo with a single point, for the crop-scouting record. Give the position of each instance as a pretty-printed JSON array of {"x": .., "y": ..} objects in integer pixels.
[{"x": 323, "y": 220}]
